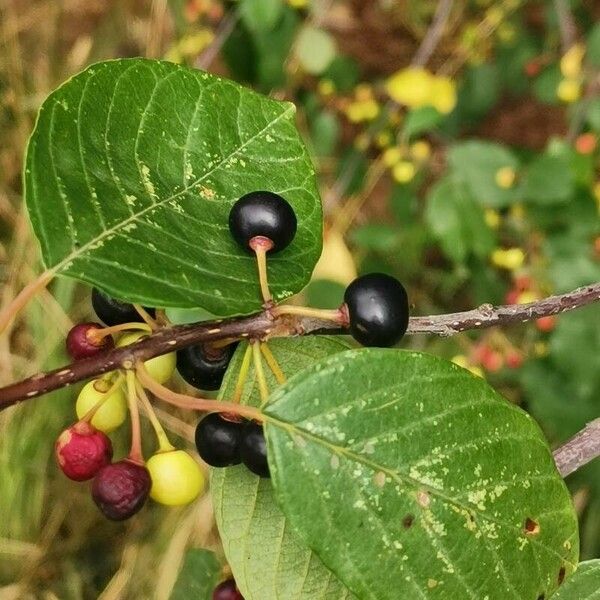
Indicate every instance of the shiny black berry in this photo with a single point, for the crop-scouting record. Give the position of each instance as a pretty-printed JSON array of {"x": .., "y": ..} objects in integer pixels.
[
  {"x": 114, "y": 312},
  {"x": 218, "y": 440},
  {"x": 377, "y": 309},
  {"x": 263, "y": 214},
  {"x": 253, "y": 449},
  {"x": 204, "y": 367},
  {"x": 227, "y": 590}
]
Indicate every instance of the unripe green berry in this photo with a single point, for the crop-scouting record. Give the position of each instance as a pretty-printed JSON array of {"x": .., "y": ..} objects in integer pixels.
[
  {"x": 160, "y": 368},
  {"x": 176, "y": 478},
  {"x": 113, "y": 411}
]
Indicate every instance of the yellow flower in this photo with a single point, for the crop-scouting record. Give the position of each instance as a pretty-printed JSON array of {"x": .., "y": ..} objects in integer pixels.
[
  {"x": 510, "y": 259},
  {"x": 569, "y": 90},
  {"x": 443, "y": 94},
  {"x": 570, "y": 63},
  {"x": 420, "y": 150},
  {"x": 392, "y": 156},
  {"x": 326, "y": 87},
  {"x": 492, "y": 218},
  {"x": 403, "y": 171},
  {"x": 410, "y": 86},
  {"x": 505, "y": 177}
]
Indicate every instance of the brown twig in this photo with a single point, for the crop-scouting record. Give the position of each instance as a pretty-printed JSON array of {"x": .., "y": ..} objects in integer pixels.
[
  {"x": 581, "y": 449},
  {"x": 265, "y": 325},
  {"x": 434, "y": 33},
  {"x": 566, "y": 24}
]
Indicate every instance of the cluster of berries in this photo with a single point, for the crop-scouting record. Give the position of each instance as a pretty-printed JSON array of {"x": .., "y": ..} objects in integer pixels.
[{"x": 375, "y": 311}]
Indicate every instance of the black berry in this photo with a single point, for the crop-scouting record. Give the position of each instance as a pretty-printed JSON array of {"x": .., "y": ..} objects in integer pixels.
[
  {"x": 378, "y": 310},
  {"x": 227, "y": 590},
  {"x": 204, "y": 367},
  {"x": 253, "y": 449},
  {"x": 82, "y": 345},
  {"x": 218, "y": 440},
  {"x": 121, "y": 489},
  {"x": 263, "y": 214},
  {"x": 114, "y": 312}
]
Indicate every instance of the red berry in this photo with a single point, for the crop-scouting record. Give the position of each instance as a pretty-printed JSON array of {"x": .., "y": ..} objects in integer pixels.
[
  {"x": 227, "y": 590},
  {"x": 82, "y": 450},
  {"x": 546, "y": 324},
  {"x": 81, "y": 345},
  {"x": 512, "y": 296},
  {"x": 121, "y": 489},
  {"x": 514, "y": 359}
]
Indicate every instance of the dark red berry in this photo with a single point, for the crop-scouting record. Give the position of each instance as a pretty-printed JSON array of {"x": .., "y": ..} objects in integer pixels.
[
  {"x": 80, "y": 344},
  {"x": 227, "y": 590},
  {"x": 218, "y": 440},
  {"x": 121, "y": 489},
  {"x": 377, "y": 307},
  {"x": 253, "y": 449},
  {"x": 263, "y": 214},
  {"x": 81, "y": 451},
  {"x": 204, "y": 367},
  {"x": 114, "y": 312}
]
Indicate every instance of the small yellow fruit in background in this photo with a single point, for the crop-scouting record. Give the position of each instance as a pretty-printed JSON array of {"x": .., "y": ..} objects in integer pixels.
[
  {"x": 160, "y": 368},
  {"x": 404, "y": 171},
  {"x": 383, "y": 139},
  {"x": 569, "y": 90},
  {"x": 392, "y": 156},
  {"x": 570, "y": 63},
  {"x": 113, "y": 411},
  {"x": 326, "y": 87},
  {"x": 411, "y": 86},
  {"x": 492, "y": 218},
  {"x": 510, "y": 259},
  {"x": 420, "y": 150},
  {"x": 505, "y": 177},
  {"x": 443, "y": 94},
  {"x": 177, "y": 478}
]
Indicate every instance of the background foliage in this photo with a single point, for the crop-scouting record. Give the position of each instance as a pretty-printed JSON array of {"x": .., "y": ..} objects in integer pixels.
[{"x": 473, "y": 180}]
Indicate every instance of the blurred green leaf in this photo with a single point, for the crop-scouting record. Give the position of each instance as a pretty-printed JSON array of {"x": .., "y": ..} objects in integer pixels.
[
  {"x": 198, "y": 576},
  {"x": 315, "y": 49},
  {"x": 593, "y": 46},
  {"x": 479, "y": 91},
  {"x": 584, "y": 584},
  {"x": 343, "y": 72},
  {"x": 593, "y": 114},
  {"x": 476, "y": 163},
  {"x": 548, "y": 179},
  {"x": 419, "y": 120},
  {"x": 322, "y": 293},
  {"x": 260, "y": 15},
  {"x": 375, "y": 236},
  {"x": 546, "y": 83},
  {"x": 325, "y": 133}
]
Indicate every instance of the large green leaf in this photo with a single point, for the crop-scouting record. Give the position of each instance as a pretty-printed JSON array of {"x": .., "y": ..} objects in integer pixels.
[
  {"x": 584, "y": 584},
  {"x": 268, "y": 560},
  {"x": 412, "y": 478},
  {"x": 198, "y": 576},
  {"x": 132, "y": 169}
]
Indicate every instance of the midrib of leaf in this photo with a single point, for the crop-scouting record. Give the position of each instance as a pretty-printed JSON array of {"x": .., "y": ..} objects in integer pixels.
[
  {"x": 157, "y": 204},
  {"x": 406, "y": 479}
]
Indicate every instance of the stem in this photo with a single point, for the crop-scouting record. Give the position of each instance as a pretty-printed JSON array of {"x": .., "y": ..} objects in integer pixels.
[
  {"x": 97, "y": 335},
  {"x": 260, "y": 374},
  {"x": 434, "y": 33},
  {"x": 273, "y": 364},
  {"x": 242, "y": 375},
  {"x": 189, "y": 402},
  {"x": 304, "y": 311},
  {"x": 135, "y": 453},
  {"x": 163, "y": 441},
  {"x": 147, "y": 318},
  {"x": 265, "y": 325},
  {"x": 582, "y": 448},
  {"x": 23, "y": 297},
  {"x": 261, "y": 245},
  {"x": 105, "y": 396}
]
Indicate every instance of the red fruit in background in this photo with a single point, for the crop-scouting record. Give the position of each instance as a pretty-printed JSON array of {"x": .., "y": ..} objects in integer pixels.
[
  {"x": 586, "y": 143},
  {"x": 81, "y": 345},
  {"x": 523, "y": 283},
  {"x": 81, "y": 451},
  {"x": 546, "y": 324},
  {"x": 514, "y": 359},
  {"x": 512, "y": 296},
  {"x": 532, "y": 68},
  {"x": 121, "y": 489},
  {"x": 227, "y": 590}
]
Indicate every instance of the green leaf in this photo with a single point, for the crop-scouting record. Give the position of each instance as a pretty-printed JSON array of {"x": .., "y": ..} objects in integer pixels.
[
  {"x": 260, "y": 15},
  {"x": 458, "y": 222},
  {"x": 476, "y": 164},
  {"x": 315, "y": 49},
  {"x": 412, "y": 478},
  {"x": 267, "y": 558},
  {"x": 131, "y": 172},
  {"x": 548, "y": 180},
  {"x": 420, "y": 120},
  {"x": 198, "y": 576},
  {"x": 379, "y": 237},
  {"x": 584, "y": 584},
  {"x": 593, "y": 46}
]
